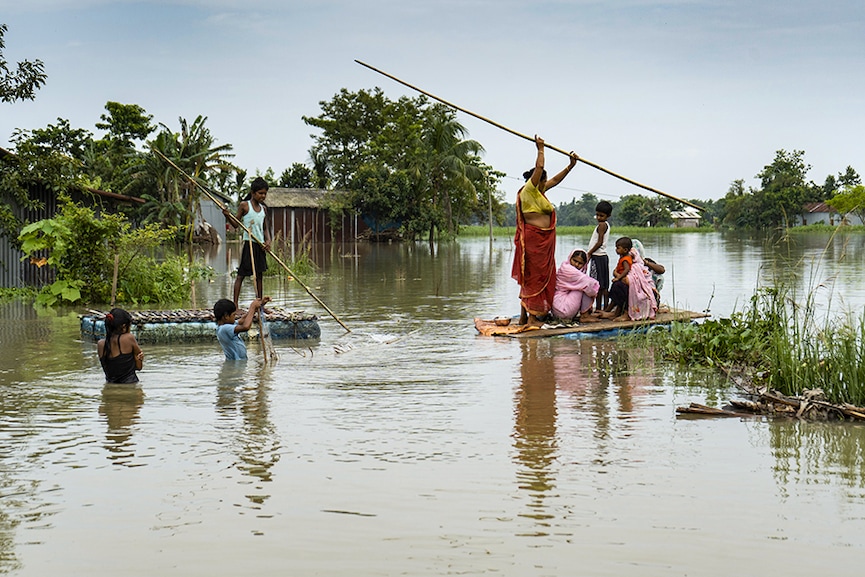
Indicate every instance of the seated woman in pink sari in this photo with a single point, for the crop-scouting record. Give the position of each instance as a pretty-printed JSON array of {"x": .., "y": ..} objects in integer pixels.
[
  {"x": 642, "y": 303},
  {"x": 575, "y": 290}
]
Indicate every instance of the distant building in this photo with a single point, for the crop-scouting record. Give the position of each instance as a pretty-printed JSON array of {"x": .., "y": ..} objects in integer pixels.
[
  {"x": 299, "y": 215},
  {"x": 688, "y": 217},
  {"x": 822, "y": 213}
]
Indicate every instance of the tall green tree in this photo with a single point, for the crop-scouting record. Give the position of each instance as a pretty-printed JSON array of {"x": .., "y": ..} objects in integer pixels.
[
  {"x": 783, "y": 190},
  {"x": 446, "y": 169},
  {"x": 297, "y": 176},
  {"x": 779, "y": 200},
  {"x": 22, "y": 82},
  {"x": 112, "y": 159},
  {"x": 852, "y": 200},
  {"x": 366, "y": 131},
  {"x": 47, "y": 158},
  {"x": 348, "y": 123}
]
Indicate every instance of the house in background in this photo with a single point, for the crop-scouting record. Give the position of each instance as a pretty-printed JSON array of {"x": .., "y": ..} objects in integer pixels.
[
  {"x": 688, "y": 217},
  {"x": 298, "y": 215},
  {"x": 822, "y": 213}
]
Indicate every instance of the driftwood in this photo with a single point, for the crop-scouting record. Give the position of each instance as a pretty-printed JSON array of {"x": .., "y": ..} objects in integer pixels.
[{"x": 811, "y": 404}]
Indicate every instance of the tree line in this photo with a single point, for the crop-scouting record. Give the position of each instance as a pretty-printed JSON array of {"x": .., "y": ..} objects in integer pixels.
[
  {"x": 405, "y": 165},
  {"x": 777, "y": 203}
]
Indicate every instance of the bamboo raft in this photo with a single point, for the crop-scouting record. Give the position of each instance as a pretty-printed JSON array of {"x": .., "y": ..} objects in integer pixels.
[
  {"x": 600, "y": 329},
  {"x": 199, "y": 325}
]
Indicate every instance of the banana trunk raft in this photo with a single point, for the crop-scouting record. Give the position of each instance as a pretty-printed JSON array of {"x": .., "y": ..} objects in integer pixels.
[{"x": 199, "y": 325}]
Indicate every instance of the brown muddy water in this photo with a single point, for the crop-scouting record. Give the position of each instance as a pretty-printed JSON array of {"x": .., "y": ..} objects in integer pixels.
[{"x": 413, "y": 446}]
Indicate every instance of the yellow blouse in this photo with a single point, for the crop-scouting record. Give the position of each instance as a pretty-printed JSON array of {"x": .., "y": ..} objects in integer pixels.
[{"x": 533, "y": 200}]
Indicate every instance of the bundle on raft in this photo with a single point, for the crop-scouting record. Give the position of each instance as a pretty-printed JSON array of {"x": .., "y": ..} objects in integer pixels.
[{"x": 199, "y": 325}]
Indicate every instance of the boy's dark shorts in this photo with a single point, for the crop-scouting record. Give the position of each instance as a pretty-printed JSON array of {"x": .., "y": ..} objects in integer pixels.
[
  {"x": 245, "y": 267},
  {"x": 600, "y": 271}
]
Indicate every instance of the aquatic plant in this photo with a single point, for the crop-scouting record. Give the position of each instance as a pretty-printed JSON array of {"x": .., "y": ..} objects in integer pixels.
[{"x": 789, "y": 345}]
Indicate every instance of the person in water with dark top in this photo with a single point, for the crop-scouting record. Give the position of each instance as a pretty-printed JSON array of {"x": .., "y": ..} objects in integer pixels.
[{"x": 119, "y": 352}]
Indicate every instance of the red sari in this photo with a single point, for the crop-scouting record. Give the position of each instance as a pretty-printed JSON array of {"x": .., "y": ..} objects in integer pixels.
[{"x": 534, "y": 266}]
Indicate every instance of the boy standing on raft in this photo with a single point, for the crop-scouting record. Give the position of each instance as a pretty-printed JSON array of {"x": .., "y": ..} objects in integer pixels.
[
  {"x": 252, "y": 212},
  {"x": 597, "y": 253}
]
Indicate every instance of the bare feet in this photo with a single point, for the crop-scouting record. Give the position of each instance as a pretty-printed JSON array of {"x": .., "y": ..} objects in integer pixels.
[
  {"x": 589, "y": 318},
  {"x": 622, "y": 318}
]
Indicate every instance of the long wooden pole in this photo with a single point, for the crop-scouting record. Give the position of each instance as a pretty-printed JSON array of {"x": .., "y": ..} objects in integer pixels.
[
  {"x": 258, "y": 296},
  {"x": 514, "y": 132},
  {"x": 219, "y": 204}
]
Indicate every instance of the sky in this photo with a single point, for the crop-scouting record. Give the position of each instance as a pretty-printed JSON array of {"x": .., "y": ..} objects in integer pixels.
[{"x": 685, "y": 96}]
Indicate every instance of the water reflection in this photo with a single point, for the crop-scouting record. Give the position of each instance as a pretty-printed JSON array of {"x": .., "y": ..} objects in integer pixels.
[
  {"x": 595, "y": 382},
  {"x": 242, "y": 389},
  {"x": 590, "y": 371},
  {"x": 535, "y": 426},
  {"x": 809, "y": 453},
  {"x": 121, "y": 404}
]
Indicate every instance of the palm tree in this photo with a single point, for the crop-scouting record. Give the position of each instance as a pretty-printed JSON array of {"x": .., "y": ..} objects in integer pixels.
[
  {"x": 448, "y": 167},
  {"x": 177, "y": 201}
]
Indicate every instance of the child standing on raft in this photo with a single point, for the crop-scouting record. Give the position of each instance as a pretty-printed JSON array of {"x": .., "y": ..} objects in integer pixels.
[
  {"x": 119, "y": 353},
  {"x": 597, "y": 253},
  {"x": 252, "y": 213}
]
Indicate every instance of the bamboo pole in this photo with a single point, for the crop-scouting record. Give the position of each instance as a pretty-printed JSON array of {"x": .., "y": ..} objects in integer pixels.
[
  {"x": 114, "y": 278},
  {"x": 219, "y": 204},
  {"x": 514, "y": 132},
  {"x": 258, "y": 296}
]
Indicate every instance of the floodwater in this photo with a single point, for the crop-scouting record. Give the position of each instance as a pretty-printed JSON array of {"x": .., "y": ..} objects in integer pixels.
[{"x": 413, "y": 446}]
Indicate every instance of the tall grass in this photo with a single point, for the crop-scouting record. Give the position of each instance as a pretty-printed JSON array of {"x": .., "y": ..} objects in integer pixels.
[
  {"x": 300, "y": 263},
  {"x": 790, "y": 345}
]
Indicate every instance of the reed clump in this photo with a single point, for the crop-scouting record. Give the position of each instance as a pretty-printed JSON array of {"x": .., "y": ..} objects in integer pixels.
[
  {"x": 298, "y": 260},
  {"x": 791, "y": 347}
]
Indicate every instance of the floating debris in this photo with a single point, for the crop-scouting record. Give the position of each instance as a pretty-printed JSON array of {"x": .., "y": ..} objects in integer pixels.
[{"x": 810, "y": 405}]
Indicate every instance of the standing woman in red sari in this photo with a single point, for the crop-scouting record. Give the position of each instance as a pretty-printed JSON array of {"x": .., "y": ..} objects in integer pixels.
[{"x": 535, "y": 256}]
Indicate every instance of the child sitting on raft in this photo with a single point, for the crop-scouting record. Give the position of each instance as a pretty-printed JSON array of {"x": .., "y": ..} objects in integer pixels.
[
  {"x": 575, "y": 289},
  {"x": 228, "y": 329},
  {"x": 632, "y": 295}
]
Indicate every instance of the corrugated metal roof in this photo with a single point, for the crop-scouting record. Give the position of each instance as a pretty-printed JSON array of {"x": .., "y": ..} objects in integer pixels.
[{"x": 812, "y": 207}]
